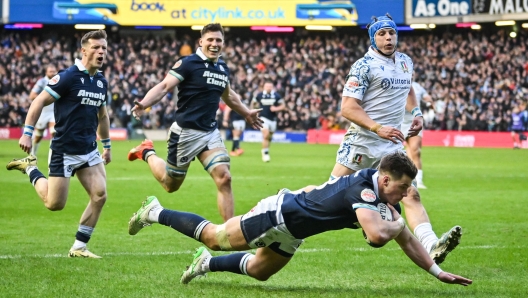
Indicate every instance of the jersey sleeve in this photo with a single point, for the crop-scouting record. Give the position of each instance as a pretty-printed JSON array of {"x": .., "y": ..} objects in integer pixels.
[
  {"x": 181, "y": 69},
  {"x": 279, "y": 100},
  {"x": 39, "y": 86},
  {"x": 59, "y": 85},
  {"x": 357, "y": 80},
  {"x": 362, "y": 196}
]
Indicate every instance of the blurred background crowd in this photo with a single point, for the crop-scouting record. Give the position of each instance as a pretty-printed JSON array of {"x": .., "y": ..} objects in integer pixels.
[{"x": 476, "y": 79}]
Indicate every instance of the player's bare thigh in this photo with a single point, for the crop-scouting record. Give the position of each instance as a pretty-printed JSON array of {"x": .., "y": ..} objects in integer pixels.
[
  {"x": 340, "y": 170},
  {"x": 266, "y": 263},
  {"x": 93, "y": 180},
  {"x": 58, "y": 188},
  {"x": 216, "y": 162},
  {"x": 233, "y": 231}
]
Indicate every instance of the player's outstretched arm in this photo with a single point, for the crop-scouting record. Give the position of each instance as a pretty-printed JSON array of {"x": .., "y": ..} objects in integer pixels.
[
  {"x": 352, "y": 110},
  {"x": 35, "y": 109},
  {"x": 232, "y": 99},
  {"x": 417, "y": 253},
  {"x": 155, "y": 95},
  {"x": 413, "y": 107}
]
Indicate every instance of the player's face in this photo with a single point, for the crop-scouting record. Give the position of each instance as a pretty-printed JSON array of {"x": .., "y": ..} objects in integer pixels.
[
  {"x": 268, "y": 87},
  {"x": 386, "y": 40},
  {"x": 95, "y": 52},
  {"x": 395, "y": 190},
  {"x": 50, "y": 72},
  {"x": 212, "y": 44}
]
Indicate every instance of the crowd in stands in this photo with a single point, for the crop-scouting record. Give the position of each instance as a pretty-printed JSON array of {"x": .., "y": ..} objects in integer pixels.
[{"x": 475, "y": 79}]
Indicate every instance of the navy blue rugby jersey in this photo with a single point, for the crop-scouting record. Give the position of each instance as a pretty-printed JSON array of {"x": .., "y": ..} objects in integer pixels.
[
  {"x": 332, "y": 205},
  {"x": 266, "y": 101},
  {"x": 202, "y": 84},
  {"x": 78, "y": 98}
]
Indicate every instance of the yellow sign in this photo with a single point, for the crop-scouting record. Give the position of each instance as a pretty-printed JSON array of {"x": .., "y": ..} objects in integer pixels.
[{"x": 227, "y": 12}]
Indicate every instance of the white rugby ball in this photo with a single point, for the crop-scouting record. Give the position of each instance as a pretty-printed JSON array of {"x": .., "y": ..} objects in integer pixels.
[{"x": 385, "y": 212}]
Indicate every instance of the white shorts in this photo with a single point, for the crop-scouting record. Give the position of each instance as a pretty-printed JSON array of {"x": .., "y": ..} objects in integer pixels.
[
  {"x": 239, "y": 125},
  {"x": 184, "y": 144},
  {"x": 269, "y": 125},
  {"x": 44, "y": 119},
  {"x": 406, "y": 125},
  {"x": 360, "y": 151},
  {"x": 264, "y": 226},
  {"x": 65, "y": 165}
]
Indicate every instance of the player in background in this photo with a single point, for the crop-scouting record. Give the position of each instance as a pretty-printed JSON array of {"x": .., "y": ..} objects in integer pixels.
[
  {"x": 270, "y": 102},
  {"x": 377, "y": 92},
  {"x": 202, "y": 79},
  {"x": 47, "y": 118},
  {"x": 414, "y": 144},
  {"x": 238, "y": 125},
  {"x": 80, "y": 97},
  {"x": 277, "y": 225},
  {"x": 517, "y": 127}
]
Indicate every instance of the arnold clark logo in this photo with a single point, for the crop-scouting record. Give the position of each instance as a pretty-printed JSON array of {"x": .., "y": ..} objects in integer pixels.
[{"x": 431, "y": 8}]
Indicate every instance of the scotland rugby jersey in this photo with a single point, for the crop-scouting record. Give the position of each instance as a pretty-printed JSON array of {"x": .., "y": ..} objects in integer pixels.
[
  {"x": 382, "y": 86},
  {"x": 202, "y": 84},
  {"x": 266, "y": 101},
  {"x": 39, "y": 86},
  {"x": 78, "y": 98},
  {"x": 332, "y": 205}
]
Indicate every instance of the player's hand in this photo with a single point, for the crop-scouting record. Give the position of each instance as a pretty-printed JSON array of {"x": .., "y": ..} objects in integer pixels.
[
  {"x": 253, "y": 119},
  {"x": 416, "y": 127},
  {"x": 107, "y": 156},
  {"x": 450, "y": 278},
  {"x": 225, "y": 124},
  {"x": 395, "y": 214},
  {"x": 137, "y": 110},
  {"x": 391, "y": 133},
  {"x": 25, "y": 143}
]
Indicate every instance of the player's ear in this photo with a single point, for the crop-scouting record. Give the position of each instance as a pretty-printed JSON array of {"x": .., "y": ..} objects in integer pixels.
[{"x": 200, "y": 41}]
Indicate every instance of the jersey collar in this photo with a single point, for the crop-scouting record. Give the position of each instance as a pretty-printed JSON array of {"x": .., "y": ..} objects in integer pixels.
[
  {"x": 376, "y": 55},
  {"x": 375, "y": 182},
  {"x": 81, "y": 67}
]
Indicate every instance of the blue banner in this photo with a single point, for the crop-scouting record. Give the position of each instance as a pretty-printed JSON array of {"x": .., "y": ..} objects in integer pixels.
[
  {"x": 440, "y": 8},
  {"x": 278, "y": 136}
]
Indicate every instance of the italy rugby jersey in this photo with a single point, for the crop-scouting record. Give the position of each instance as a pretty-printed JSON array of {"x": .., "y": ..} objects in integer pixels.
[
  {"x": 78, "y": 98},
  {"x": 39, "y": 86},
  {"x": 382, "y": 85},
  {"x": 331, "y": 206},
  {"x": 202, "y": 84}
]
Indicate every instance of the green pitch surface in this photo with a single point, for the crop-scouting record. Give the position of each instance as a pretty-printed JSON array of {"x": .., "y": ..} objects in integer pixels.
[{"x": 483, "y": 190}]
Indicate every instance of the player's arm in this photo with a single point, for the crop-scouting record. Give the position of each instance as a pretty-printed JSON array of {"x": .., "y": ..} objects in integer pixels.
[
  {"x": 35, "y": 109},
  {"x": 37, "y": 89},
  {"x": 377, "y": 230},
  {"x": 155, "y": 95},
  {"x": 352, "y": 110},
  {"x": 227, "y": 111},
  {"x": 278, "y": 108},
  {"x": 103, "y": 130},
  {"x": 412, "y": 107},
  {"x": 232, "y": 100},
  {"x": 417, "y": 253}
]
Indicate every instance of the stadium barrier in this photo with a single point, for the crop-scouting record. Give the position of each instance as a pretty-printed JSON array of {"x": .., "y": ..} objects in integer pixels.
[
  {"x": 278, "y": 136},
  {"x": 478, "y": 139}
]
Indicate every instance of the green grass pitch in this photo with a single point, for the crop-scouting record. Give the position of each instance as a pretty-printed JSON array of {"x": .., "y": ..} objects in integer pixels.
[{"x": 483, "y": 190}]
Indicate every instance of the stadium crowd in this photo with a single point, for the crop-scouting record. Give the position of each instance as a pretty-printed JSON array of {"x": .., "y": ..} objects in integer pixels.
[{"x": 475, "y": 79}]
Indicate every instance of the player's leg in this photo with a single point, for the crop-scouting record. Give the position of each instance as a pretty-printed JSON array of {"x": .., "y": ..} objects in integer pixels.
[
  {"x": 93, "y": 179},
  {"x": 414, "y": 151},
  {"x": 266, "y": 137},
  {"x": 418, "y": 221},
  {"x": 238, "y": 128},
  {"x": 216, "y": 163},
  {"x": 514, "y": 140}
]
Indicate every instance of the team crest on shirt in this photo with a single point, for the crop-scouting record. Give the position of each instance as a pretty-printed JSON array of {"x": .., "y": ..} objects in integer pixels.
[
  {"x": 54, "y": 80},
  {"x": 352, "y": 82},
  {"x": 99, "y": 84},
  {"x": 177, "y": 64},
  {"x": 368, "y": 195},
  {"x": 222, "y": 68},
  {"x": 404, "y": 66},
  {"x": 357, "y": 158}
]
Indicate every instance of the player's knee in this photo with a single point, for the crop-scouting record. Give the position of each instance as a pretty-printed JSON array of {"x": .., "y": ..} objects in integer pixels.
[
  {"x": 99, "y": 199},
  {"x": 223, "y": 179},
  {"x": 54, "y": 206},
  {"x": 413, "y": 194},
  {"x": 171, "y": 188}
]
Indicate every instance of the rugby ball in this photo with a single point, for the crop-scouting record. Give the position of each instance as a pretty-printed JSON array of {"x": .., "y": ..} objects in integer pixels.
[{"x": 385, "y": 212}]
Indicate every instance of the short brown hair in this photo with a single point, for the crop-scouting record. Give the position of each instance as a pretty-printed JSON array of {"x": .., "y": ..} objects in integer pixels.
[
  {"x": 97, "y": 34},
  {"x": 213, "y": 27},
  {"x": 397, "y": 164}
]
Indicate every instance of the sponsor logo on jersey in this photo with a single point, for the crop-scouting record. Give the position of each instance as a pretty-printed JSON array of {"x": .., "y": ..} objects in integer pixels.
[
  {"x": 54, "y": 80},
  {"x": 177, "y": 64},
  {"x": 368, "y": 195},
  {"x": 206, "y": 65},
  {"x": 382, "y": 67},
  {"x": 99, "y": 84},
  {"x": 82, "y": 80},
  {"x": 385, "y": 84},
  {"x": 88, "y": 98},
  {"x": 216, "y": 78}
]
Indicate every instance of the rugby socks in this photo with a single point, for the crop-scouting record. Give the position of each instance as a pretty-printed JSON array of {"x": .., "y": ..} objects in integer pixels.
[
  {"x": 189, "y": 224},
  {"x": 34, "y": 147},
  {"x": 235, "y": 263},
  {"x": 236, "y": 144},
  {"x": 84, "y": 233},
  {"x": 148, "y": 152},
  {"x": 426, "y": 236},
  {"x": 34, "y": 174},
  {"x": 419, "y": 177},
  {"x": 265, "y": 151}
]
